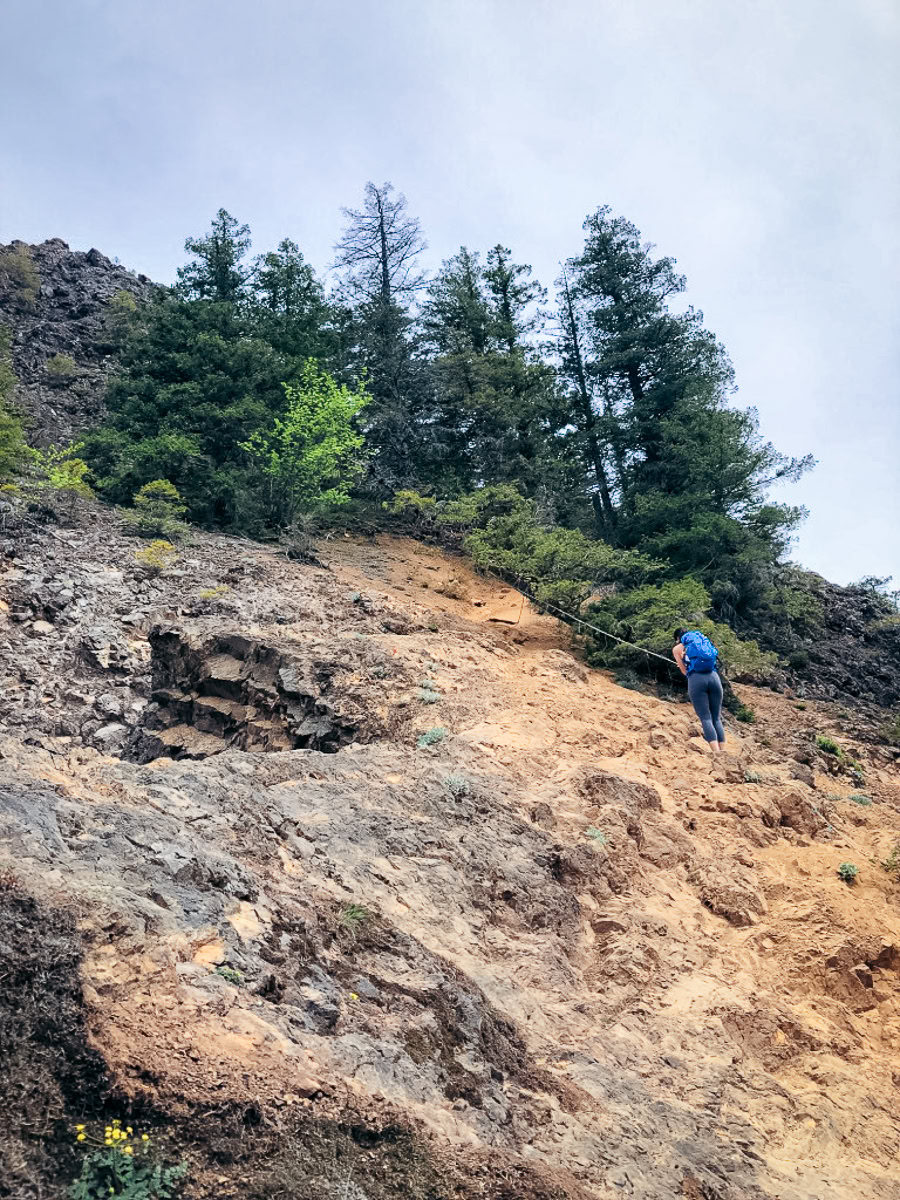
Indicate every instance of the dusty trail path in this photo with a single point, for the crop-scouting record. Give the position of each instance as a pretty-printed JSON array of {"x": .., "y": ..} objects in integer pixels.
[{"x": 589, "y": 952}]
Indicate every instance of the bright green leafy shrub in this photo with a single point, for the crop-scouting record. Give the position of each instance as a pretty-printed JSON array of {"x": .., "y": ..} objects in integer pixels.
[
  {"x": 313, "y": 454},
  {"x": 828, "y": 745},
  {"x": 848, "y": 872}
]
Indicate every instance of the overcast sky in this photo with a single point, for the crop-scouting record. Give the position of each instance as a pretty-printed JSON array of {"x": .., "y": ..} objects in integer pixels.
[{"x": 756, "y": 141}]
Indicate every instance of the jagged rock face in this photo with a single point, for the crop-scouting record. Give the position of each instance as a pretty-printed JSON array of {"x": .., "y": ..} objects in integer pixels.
[
  {"x": 210, "y": 693},
  {"x": 56, "y": 301}
]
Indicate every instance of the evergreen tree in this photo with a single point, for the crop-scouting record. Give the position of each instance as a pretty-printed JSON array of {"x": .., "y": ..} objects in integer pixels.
[
  {"x": 289, "y": 306},
  {"x": 194, "y": 382},
  {"x": 378, "y": 257},
  {"x": 218, "y": 271},
  {"x": 691, "y": 474},
  {"x": 493, "y": 393}
]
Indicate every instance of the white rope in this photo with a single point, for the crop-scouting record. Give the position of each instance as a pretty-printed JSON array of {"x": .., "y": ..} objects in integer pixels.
[{"x": 580, "y": 620}]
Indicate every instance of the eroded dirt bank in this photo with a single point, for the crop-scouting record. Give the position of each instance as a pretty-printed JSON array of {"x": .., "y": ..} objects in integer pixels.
[{"x": 554, "y": 944}]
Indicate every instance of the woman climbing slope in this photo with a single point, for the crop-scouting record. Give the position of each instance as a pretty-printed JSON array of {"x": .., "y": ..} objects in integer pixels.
[{"x": 697, "y": 658}]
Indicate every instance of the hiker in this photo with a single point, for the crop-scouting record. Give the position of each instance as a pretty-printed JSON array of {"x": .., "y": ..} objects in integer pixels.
[{"x": 697, "y": 658}]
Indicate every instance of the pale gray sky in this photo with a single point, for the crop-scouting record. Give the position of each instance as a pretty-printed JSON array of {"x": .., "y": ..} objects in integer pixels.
[{"x": 757, "y": 142}]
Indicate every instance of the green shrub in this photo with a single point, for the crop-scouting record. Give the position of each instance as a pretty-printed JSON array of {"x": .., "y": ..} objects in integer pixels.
[
  {"x": 848, "y": 872},
  {"x": 157, "y": 557},
  {"x": 18, "y": 265},
  {"x": 352, "y": 916},
  {"x": 458, "y": 786},
  {"x": 214, "y": 593},
  {"x": 60, "y": 471},
  {"x": 62, "y": 368},
  {"x": 798, "y": 659},
  {"x": 431, "y": 737},
  {"x": 597, "y": 835},
  {"x": 752, "y": 777},
  {"x": 428, "y": 695},
  {"x": 121, "y": 315},
  {"x": 745, "y": 714},
  {"x": 828, "y": 745},
  {"x": 13, "y": 450},
  {"x": 647, "y": 617},
  {"x": 860, "y": 799},
  {"x": 892, "y": 863},
  {"x": 123, "y": 1163},
  {"x": 890, "y": 730},
  {"x": 231, "y": 975},
  {"x": 157, "y": 511},
  {"x": 627, "y": 678}
]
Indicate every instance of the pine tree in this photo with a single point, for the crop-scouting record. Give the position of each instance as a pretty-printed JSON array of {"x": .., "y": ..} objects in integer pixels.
[
  {"x": 691, "y": 473},
  {"x": 194, "y": 382},
  {"x": 218, "y": 271},
  {"x": 289, "y": 308},
  {"x": 378, "y": 257},
  {"x": 493, "y": 393}
]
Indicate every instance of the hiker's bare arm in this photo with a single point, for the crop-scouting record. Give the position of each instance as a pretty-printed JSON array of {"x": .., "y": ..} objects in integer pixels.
[{"x": 678, "y": 655}]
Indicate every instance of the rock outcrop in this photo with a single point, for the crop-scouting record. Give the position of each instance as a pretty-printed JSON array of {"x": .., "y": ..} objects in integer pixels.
[{"x": 58, "y": 306}]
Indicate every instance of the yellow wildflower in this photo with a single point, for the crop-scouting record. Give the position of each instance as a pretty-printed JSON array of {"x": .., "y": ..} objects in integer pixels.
[
  {"x": 107, "y": 1142},
  {"x": 79, "y": 1129},
  {"x": 145, "y": 1137},
  {"x": 81, "y": 1137},
  {"x": 129, "y": 1130},
  {"x": 127, "y": 1150}
]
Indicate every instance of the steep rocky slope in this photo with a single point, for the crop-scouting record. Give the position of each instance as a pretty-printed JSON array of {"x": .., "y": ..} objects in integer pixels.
[
  {"x": 358, "y": 884},
  {"x": 56, "y": 301}
]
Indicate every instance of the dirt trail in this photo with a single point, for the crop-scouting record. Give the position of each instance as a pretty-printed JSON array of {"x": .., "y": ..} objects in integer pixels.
[{"x": 586, "y": 949}]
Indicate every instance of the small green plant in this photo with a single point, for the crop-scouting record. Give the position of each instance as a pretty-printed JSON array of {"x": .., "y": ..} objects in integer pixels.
[
  {"x": 848, "y": 872},
  {"x": 431, "y": 737},
  {"x": 428, "y": 695},
  {"x": 231, "y": 975},
  {"x": 214, "y": 593},
  {"x": 61, "y": 368},
  {"x": 752, "y": 777},
  {"x": 123, "y": 1163},
  {"x": 746, "y": 714},
  {"x": 828, "y": 745},
  {"x": 597, "y": 835},
  {"x": 890, "y": 730},
  {"x": 627, "y": 678},
  {"x": 353, "y": 915},
  {"x": 458, "y": 786},
  {"x": 891, "y": 864},
  {"x": 801, "y": 705},
  {"x": 157, "y": 557},
  {"x": 157, "y": 512},
  {"x": 859, "y": 798}
]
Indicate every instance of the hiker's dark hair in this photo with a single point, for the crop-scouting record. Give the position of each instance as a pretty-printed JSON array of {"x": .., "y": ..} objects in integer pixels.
[{"x": 679, "y": 634}]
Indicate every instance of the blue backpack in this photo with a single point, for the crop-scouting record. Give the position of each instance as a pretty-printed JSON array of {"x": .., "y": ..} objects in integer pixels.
[{"x": 700, "y": 654}]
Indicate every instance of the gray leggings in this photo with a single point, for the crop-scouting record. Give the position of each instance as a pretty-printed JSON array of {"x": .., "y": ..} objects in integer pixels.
[{"x": 705, "y": 691}]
